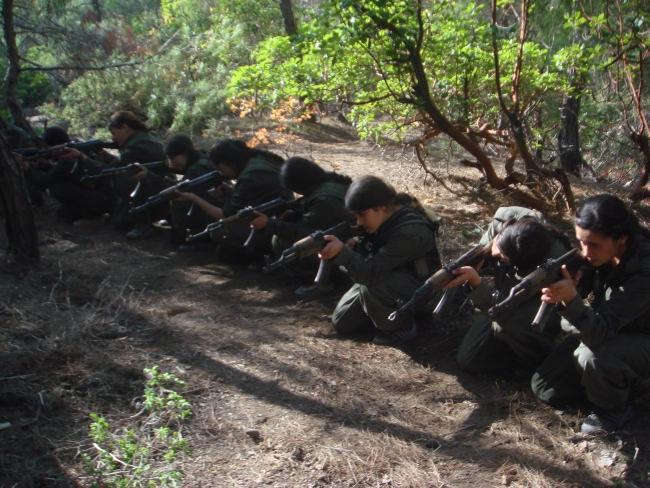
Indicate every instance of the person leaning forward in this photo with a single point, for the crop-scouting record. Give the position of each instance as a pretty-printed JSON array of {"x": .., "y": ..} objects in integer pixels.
[
  {"x": 607, "y": 354},
  {"x": 185, "y": 160},
  {"x": 257, "y": 175},
  {"x": 500, "y": 345},
  {"x": 322, "y": 206},
  {"x": 135, "y": 145},
  {"x": 79, "y": 200},
  {"x": 397, "y": 255}
]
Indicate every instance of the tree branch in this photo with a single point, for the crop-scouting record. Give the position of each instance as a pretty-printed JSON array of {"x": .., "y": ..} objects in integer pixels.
[{"x": 37, "y": 67}]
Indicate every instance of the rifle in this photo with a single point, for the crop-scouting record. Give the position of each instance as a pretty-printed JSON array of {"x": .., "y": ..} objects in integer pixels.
[
  {"x": 93, "y": 145},
  {"x": 310, "y": 246},
  {"x": 547, "y": 273},
  {"x": 439, "y": 280},
  {"x": 244, "y": 214},
  {"x": 110, "y": 172},
  {"x": 215, "y": 177}
]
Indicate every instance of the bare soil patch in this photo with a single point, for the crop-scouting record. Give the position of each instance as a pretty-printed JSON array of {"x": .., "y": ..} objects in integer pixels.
[{"x": 278, "y": 399}]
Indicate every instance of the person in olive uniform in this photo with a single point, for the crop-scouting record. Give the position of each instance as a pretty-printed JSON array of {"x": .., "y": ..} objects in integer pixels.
[
  {"x": 61, "y": 177},
  {"x": 608, "y": 352},
  {"x": 519, "y": 242},
  {"x": 42, "y": 173},
  {"x": 386, "y": 266},
  {"x": 257, "y": 175},
  {"x": 322, "y": 206},
  {"x": 79, "y": 200},
  {"x": 185, "y": 160},
  {"x": 135, "y": 145}
]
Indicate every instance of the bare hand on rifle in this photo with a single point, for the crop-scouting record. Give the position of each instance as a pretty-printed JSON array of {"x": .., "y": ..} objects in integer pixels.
[
  {"x": 464, "y": 274},
  {"x": 332, "y": 248},
  {"x": 260, "y": 221},
  {"x": 140, "y": 172},
  {"x": 562, "y": 291}
]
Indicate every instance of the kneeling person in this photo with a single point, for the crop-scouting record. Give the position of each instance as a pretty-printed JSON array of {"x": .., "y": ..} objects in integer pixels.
[
  {"x": 185, "y": 160},
  {"x": 257, "y": 175},
  {"x": 502, "y": 344},
  {"x": 397, "y": 255},
  {"x": 608, "y": 351},
  {"x": 322, "y": 207}
]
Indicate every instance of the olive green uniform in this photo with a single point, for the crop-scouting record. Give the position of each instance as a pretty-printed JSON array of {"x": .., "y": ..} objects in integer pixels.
[
  {"x": 504, "y": 215},
  {"x": 320, "y": 210},
  {"x": 500, "y": 345},
  {"x": 392, "y": 263},
  {"x": 142, "y": 147},
  {"x": 80, "y": 199},
  {"x": 608, "y": 351},
  {"x": 177, "y": 211},
  {"x": 196, "y": 221},
  {"x": 259, "y": 182}
]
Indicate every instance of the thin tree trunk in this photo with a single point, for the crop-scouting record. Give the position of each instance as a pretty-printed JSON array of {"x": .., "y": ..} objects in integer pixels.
[
  {"x": 290, "y": 25},
  {"x": 13, "y": 69},
  {"x": 19, "y": 218},
  {"x": 97, "y": 7},
  {"x": 639, "y": 192},
  {"x": 568, "y": 137}
]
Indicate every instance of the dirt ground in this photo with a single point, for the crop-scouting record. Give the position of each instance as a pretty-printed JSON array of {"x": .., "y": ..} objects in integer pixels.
[{"x": 278, "y": 400}]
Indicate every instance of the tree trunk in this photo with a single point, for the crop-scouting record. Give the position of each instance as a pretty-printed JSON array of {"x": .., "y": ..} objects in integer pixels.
[
  {"x": 639, "y": 192},
  {"x": 97, "y": 7},
  {"x": 19, "y": 218},
  {"x": 568, "y": 138},
  {"x": 13, "y": 69},
  {"x": 290, "y": 26}
]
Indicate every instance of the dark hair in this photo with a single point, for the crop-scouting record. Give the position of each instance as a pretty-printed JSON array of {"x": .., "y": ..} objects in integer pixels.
[
  {"x": 55, "y": 135},
  {"x": 369, "y": 192},
  {"x": 526, "y": 242},
  {"x": 182, "y": 144},
  {"x": 304, "y": 176},
  {"x": 125, "y": 117},
  {"x": 609, "y": 216},
  {"x": 235, "y": 154}
]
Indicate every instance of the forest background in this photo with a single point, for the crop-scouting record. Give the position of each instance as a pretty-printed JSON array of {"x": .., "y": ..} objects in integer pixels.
[{"x": 546, "y": 86}]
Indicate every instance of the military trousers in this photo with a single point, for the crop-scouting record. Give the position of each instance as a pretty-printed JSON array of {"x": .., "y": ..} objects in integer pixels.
[
  {"x": 492, "y": 348},
  {"x": 360, "y": 309},
  {"x": 606, "y": 375},
  {"x": 81, "y": 202},
  {"x": 185, "y": 222},
  {"x": 124, "y": 186}
]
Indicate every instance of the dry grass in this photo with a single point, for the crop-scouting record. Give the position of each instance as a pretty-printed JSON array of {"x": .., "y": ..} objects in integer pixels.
[{"x": 278, "y": 401}]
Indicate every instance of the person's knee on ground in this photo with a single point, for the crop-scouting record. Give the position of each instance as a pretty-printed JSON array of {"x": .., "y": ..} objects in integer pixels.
[
  {"x": 481, "y": 351},
  {"x": 349, "y": 316}
]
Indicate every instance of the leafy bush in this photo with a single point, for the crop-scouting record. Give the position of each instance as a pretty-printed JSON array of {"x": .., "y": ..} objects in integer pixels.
[
  {"x": 142, "y": 454},
  {"x": 181, "y": 89}
]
